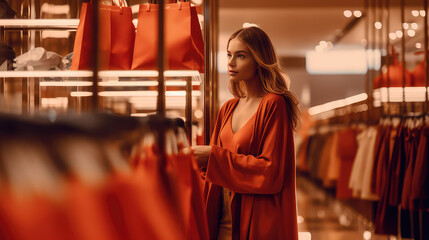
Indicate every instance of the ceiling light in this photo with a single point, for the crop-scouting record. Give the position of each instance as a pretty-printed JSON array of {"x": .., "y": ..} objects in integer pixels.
[
  {"x": 414, "y": 25},
  {"x": 422, "y": 13},
  {"x": 411, "y": 33},
  {"x": 399, "y": 34},
  {"x": 415, "y": 13},
  {"x": 418, "y": 45},
  {"x": 197, "y": 2},
  {"x": 367, "y": 235},
  {"x": 405, "y": 25},
  {"x": 357, "y": 13},
  {"x": 330, "y": 45},
  {"x": 392, "y": 36},
  {"x": 246, "y": 25},
  {"x": 319, "y": 48},
  {"x": 81, "y": 94},
  {"x": 378, "y": 25},
  {"x": 348, "y": 13},
  {"x": 323, "y": 44}
]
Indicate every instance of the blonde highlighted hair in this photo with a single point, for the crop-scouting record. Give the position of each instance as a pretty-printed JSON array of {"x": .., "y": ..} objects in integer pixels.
[{"x": 273, "y": 78}]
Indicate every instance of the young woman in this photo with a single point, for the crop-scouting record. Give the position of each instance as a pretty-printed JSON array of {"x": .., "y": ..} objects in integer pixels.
[{"x": 250, "y": 163}]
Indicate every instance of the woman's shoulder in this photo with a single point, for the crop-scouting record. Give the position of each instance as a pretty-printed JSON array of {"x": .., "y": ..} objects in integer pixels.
[
  {"x": 274, "y": 99},
  {"x": 228, "y": 105}
]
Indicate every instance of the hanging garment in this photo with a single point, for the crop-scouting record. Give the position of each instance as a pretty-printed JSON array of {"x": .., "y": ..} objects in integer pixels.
[
  {"x": 360, "y": 163},
  {"x": 369, "y": 156},
  {"x": 386, "y": 221},
  {"x": 398, "y": 161},
  {"x": 381, "y": 157},
  {"x": 259, "y": 169},
  {"x": 154, "y": 182},
  {"x": 324, "y": 158},
  {"x": 317, "y": 145},
  {"x": 302, "y": 154},
  {"x": 420, "y": 176},
  {"x": 347, "y": 149},
  {"x": 333, "y": 172}
]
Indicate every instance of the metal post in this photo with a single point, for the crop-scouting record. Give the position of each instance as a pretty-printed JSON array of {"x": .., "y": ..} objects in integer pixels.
[
  {"x": 367, "y": 76},
  {"x": 387, "y": 54},
  {"x": 206, "y": 85},
  {"x": 426, "y": 55},
  {"x": 403, "y": 107},
  {"x": 94, "y": 99},
  {"x": 188, "y": 109},
  {"x": 161, "y": 61}
]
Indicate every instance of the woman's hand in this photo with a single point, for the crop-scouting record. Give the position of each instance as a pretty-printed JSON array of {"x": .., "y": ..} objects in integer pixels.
[{"x": 202, "y": 154}]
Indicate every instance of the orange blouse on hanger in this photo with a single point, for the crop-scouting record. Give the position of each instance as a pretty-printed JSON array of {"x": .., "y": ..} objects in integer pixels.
[{"x": 260, "y": 172}]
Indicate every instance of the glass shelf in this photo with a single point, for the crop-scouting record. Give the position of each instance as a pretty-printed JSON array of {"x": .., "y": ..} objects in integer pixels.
[
  {"x": 101, "y": 74},
  {"x": 18, "y": 24}
]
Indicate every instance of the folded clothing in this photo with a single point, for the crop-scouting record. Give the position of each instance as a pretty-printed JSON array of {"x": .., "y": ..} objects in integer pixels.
[{"x": 38, "y": 59}]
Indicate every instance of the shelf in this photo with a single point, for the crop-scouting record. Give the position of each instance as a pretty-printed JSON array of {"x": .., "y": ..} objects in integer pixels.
[
  {"x": 148, "y": 83},
  {"x": 102, "y": 74},
  {"x": 17, "y": 24}
]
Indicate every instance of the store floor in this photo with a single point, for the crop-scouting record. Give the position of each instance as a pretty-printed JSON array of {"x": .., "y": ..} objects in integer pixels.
[{"x": 322, "y": 217}]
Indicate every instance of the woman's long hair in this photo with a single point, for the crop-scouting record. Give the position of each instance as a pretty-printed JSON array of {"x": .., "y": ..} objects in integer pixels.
[{"x": 273, "y": 78}]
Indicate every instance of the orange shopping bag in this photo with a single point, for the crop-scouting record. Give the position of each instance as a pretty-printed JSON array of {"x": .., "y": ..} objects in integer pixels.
[
  {"x": 116, "y": 38},
  {"x": 183, "y": 38}
]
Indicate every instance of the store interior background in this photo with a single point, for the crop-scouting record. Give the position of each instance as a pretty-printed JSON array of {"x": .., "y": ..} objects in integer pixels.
[{"x": 297, "y": 27}]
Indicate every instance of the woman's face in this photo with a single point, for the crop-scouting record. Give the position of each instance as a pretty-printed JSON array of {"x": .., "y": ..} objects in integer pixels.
[{"x": 241, "y": 65}]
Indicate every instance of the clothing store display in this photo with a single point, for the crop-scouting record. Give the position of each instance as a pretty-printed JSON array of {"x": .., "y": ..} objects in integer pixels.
[
  {"x": 6, "y": 11},
  {"x": 262, "y": 173},
  {"x": 183, "y": 38},
  {"x": 394, "y": 75},
  {"x": 116, "y": 38},
  {"x": 38, "y": 59},
  {"x": 73, "y": 181}
]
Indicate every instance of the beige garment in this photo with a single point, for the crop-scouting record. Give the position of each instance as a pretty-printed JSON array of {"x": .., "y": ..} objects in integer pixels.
[{"x": 225, "y": 223}]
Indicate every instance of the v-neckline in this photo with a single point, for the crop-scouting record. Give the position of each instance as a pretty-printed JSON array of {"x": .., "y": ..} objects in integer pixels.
[{"x": 232, "y": 113}]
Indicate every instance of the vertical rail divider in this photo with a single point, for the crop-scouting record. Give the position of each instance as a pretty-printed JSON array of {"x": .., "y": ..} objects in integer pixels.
[
  {"x": 94, "y": 98},
  {"x": 188, "y": 108},
  {"x": 403, "y": 106},
  {"x": 160, "y": 103},
  {"x": 37, "y": 94},
  {"x": 388, "y": 55},
  {"x": 367, "y": 75},
  {"x": 425, "y": 2},
  {"x": 207, "y": 75}
]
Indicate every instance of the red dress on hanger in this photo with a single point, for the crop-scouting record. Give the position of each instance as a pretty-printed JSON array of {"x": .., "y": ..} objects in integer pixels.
[{"x": 259, "y": 168}]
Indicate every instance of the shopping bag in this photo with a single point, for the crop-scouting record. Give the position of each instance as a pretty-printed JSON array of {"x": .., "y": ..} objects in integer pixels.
[
  {"x": 116, "y": 38},
  {"x": 183, "y": 38}
]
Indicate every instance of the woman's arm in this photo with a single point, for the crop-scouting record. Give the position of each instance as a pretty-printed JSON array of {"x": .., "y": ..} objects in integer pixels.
[
  {"x": 262, "y": 174},
  {"x": 202, "y": 154}
]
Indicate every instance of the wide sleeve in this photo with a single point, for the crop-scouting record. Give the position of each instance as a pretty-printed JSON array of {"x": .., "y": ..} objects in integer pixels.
[{"x": 261, "y": 174}]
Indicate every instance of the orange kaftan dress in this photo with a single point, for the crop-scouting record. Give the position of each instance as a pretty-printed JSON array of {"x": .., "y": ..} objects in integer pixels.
[{"x": 260, "y": 173}]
